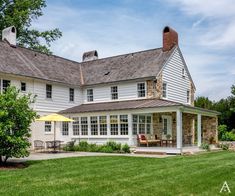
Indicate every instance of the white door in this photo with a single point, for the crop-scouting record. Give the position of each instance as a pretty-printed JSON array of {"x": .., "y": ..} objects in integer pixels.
[{"x": 167, "y": 125}]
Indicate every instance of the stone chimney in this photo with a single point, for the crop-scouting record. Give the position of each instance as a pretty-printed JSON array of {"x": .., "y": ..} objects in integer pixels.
[
  {"x": 170, "y": 38},
  {"x": 9, "y": 35},
  {"x": 90, "y": 56}
]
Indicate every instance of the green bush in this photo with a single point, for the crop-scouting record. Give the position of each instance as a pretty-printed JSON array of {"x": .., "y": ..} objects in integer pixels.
[
  {"x": 114, "y": 146},
  {"x": 83, "y": 146},
  {"x": 224, "y": 146},
  {"x": 106, "y": 149},
  {"x": 224, "y": 134},
  {"x": 126, "y": 148},
  {"x": 70, "y": 146},
  {"x": 205, "y": 146},
  {"x": 222, "y": 129}
]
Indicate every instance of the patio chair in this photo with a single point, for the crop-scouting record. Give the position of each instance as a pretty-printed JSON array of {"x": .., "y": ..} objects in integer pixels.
[
  {"x": 142, "y": 140},
  {"x": 38, "y": 145}
]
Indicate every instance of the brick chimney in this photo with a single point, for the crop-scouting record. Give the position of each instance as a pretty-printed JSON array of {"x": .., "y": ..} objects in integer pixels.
[
  {"x": 90, "y": 56},
  {"x": 170, "y": 38},
  {"x": 9, "y": 35}
]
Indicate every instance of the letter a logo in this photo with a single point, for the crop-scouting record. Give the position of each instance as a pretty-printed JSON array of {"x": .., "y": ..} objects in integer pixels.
[{"x": 225, "y": 188}]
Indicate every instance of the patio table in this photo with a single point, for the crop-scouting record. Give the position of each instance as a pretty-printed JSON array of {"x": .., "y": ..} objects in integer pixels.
[
  {"x": 166, "y": 141},
  {"x": 56, "y": 145}
]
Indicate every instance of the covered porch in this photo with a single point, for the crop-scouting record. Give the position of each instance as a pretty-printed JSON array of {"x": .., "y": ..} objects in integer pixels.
[{"x": 175, "y": 130}]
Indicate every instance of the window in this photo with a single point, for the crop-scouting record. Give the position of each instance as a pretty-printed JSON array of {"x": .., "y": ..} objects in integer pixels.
[
  {"x": 141, "y": 89},
  {"x": 47, "y": 126},
  {"x": 23, "y": 86},
  {"x": 76, "y": 126},
  {"x": 188, "y": 96},
  {"x": 165, "y": 126},
  {"x": 142, "y": 124},
  {"x": 94, "y": 125},
  {"x": 65, "y": 128},
  {"x": 124, "y": 124},
  {"x": 135, "y": 124},
  {"x": 71, "y": 94},
  {"x": 5, "y": 84},
  {"x": 114, "y": 92},
  {"x": 114, "y": 124},
  {"x": 183, "y": 72},
  {"x": 164, "y": 90},
  {"x": 90, "y": 95},
  {"x": 48, "y": 91},
  {"x": 103, "y": 125},
  {"x": 84, "y": 126}
]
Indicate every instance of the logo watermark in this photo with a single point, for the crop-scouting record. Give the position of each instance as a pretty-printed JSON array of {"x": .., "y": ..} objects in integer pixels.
[{"x": 225, "y": 188}]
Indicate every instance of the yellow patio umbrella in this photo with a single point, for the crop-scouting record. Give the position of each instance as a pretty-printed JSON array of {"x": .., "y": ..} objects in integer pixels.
[{"x": 54, "y": 118}]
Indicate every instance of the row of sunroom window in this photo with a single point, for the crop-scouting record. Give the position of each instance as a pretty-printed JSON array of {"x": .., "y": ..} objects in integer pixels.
[{"x": 100, "y": 125}]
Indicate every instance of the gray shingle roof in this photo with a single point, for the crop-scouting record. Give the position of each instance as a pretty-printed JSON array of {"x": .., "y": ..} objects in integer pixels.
[
  {"x": 120, "y": 105},
  {"x": 26, "y": 62}
]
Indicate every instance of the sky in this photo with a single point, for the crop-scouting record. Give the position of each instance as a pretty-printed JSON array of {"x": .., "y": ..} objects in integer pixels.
[{"x": 206, "y": 31}]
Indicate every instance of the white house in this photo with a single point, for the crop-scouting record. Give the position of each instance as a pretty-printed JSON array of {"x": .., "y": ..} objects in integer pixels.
[{"x": 149, "y": 92}]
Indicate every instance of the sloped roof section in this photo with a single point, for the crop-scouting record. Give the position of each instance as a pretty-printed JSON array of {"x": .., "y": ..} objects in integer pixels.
[
  {"x": 131, "y": 66},
  {"x": 120, "y": 105},
  {"x": 26, "y": 62}
]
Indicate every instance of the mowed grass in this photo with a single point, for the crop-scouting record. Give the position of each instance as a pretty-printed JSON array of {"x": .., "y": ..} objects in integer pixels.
[{"x": 180, "y": 175}]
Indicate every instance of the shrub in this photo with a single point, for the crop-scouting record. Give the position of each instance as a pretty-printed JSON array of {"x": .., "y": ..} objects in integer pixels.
[
  {"x": 205, "y": 146},
  {"x": 126, "y": 148},
  {"x": 222, "y": 129},
  {"x": 83, "y": 146},
  {"x": 114, "y": 146},
  {"x": 94, "y": 148},
  {"x": 228, "y": 136},
  {"x": 105, "y": 148},
  {"x": 224, "y": 146},
  {"x": 70, "y": 146}
]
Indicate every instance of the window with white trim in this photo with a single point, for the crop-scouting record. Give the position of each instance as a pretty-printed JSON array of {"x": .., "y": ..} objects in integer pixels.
[
  {"x": 76, "y": 126},
  {"x": 90, "y": 96},
  {"x": 141, "y": 124},
  {"x": 94, "y": 125},
  {"x": 84, "y": 126},
  {"x": 188, "y": 96},
  {"x": 47, "y": 126},
  {"x": 65, "y": 128},
  {"x": 48, "y": 91},
  {"x": 141, "y": 89},
  {"x": 114, "y": 124},
  {"x": 103, "y": 125},
  {"x": 114, "y": 92},
  {"x": 23, "y": 86},
  {"x": 5, "y": 84},
  {"x": 124, "y": 124},
  {"x": 164, "y": 90},
  {"x": 71, "y": 94}
]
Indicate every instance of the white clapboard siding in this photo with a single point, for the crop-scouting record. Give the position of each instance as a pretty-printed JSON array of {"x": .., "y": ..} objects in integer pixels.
[
  {"x": 177, "y": 86},
  {"x": 60, "y": 97},
  {"x": 102, "y": 93}
]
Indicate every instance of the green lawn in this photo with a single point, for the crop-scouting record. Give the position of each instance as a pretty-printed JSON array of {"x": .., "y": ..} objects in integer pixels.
[{"x": 181, "y": 175}]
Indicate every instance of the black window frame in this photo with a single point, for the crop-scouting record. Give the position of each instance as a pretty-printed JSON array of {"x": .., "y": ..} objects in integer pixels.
[
  {"x": 23, "y": 87},
  {"x": 48, "y": 91},
  {"x": 114, "y": 92},
  {"x": 140, "y": 90},
  {"x": 90, "y": 95},
  {"x": 71, "y": 94}
]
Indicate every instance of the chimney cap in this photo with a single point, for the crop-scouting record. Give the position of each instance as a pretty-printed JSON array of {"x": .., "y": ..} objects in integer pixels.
[{"x": 90, "y": 55}]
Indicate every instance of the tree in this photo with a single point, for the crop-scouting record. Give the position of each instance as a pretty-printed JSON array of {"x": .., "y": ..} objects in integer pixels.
[
  {"x": 233, "y": 90},
  {"x": 16, "y": 117},
  {"x": 21, "y": 13},
  {"x": 203, "y": 102}
]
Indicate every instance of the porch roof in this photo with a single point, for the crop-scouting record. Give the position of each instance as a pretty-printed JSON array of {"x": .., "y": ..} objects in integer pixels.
[
  {"x": 120, "y": 105},
  {"x": 135, "y": 104}
]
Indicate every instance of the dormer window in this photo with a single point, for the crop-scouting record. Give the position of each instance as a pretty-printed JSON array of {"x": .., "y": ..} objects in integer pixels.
[
  {"x": 164, "y": 90},
  {"x": 183, "y": 72},
  {"x": 141, "y": 89},
  {"x": 90, "y": 96}
]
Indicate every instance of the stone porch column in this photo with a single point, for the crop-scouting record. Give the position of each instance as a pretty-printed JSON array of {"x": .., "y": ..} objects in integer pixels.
[
  {"x": 179, "y": 129},
  {"x": 199, "y": 130}
]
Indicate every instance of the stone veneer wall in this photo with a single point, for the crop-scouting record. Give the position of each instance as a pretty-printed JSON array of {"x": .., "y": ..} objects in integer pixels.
[
  {"x": 192, "y": 92},
  {"x": 209, "y": 128},
  {"x": 154, "y": 89},
  {"x": 188, "y": 127},
  {"x": 158, "y": 126}
]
